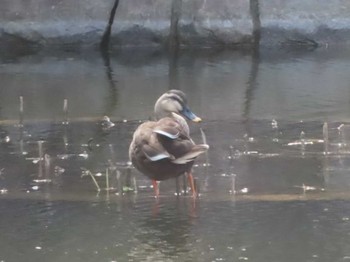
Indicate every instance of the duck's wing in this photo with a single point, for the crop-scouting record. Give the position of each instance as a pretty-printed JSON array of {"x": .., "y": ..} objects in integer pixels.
[
  {"x": 195, "y": 151},
  {"x": 145, "y": 144},
  {"x": 176, "y": 141},
  {"x": 165, "y": 139},
  {"x": 168, "y": 131},
  {"x": 155, "y": 153},
  {"x": 172, "y": 128}
]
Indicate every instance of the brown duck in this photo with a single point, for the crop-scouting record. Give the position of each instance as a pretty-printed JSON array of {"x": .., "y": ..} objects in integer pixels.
[{"x": 163, "y": 149}]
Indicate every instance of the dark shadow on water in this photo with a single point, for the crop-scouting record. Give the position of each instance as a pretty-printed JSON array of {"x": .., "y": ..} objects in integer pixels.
[
  {"x": 136, "y": 58},
  {"x": 251, "y": 87},
  {"x": 14, "y": 47},
  {"x": 173, "y": 58},
  {"x": 112, "y": 101}
]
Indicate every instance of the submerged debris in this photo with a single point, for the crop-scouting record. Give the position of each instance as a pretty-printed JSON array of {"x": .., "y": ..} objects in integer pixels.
[
  {"x": 35, "y": 188},
  {"x": 3, "y": 191},
  {"x": 305, "y": 142},
  {"x": 86, "y": 172},
  {"x": 274, "y": 124},
  {"x": 64, "y": 156},
  {"x": 244, "y": 190},
  {"x": 307, "y": 188},
  {"x": 6, "y": 139},
  {"x": 106, "y": 123},
  {"x": 127, "y": 189},
  {"x": 58, "y": 170},
  {"x": 42, "y": 180},
  {"x": 84, "y": 155}
]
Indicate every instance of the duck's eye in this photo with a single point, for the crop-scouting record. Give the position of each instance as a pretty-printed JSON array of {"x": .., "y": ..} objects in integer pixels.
[{"x": 175, "y": 98}]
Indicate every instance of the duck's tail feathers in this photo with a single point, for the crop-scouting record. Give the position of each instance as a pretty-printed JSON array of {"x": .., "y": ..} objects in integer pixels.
[{"x": 192, "y": 155}]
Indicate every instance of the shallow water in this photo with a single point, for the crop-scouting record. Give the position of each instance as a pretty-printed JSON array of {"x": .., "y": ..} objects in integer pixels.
[{"x": 273, "y": 187}]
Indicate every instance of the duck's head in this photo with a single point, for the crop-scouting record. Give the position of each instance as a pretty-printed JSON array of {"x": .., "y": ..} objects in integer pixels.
[{"x": 174, "y": 101}]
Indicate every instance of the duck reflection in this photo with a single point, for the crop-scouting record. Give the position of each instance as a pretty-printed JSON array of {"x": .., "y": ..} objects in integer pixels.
[{"x": 166, "y": 233}]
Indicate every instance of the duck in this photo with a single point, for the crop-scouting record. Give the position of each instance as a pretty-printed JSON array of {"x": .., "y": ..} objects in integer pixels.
[{"x": 163, "y": 149}]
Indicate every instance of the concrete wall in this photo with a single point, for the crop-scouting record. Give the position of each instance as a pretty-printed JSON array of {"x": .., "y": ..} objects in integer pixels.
[
  {"x": 196, "y": 22},
  {"x": 304, "y": 22}
]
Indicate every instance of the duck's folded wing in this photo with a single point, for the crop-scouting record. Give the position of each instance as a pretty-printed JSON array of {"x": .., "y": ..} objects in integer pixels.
[
  {"x": 155, "y": 154},
  {"x": 167, "y": 131},
  {"x": 171, "y": 128},
  {"x": 191, "y": 155}
]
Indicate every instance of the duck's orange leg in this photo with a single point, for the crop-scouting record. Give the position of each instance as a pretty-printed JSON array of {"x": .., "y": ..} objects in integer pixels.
[
  {"x": 191, "y": 182},
  {"x": 155, "y": 187}
]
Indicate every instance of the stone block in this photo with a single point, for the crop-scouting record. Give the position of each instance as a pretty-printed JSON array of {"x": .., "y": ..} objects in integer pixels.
[
  {"x": 220, "y": 22},
  {"x": 299, "y": 22}
]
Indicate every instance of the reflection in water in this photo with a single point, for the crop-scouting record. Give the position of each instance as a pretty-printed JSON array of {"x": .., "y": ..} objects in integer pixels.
[
  {"x": 14, "y": 47},
  {"x": 21, "y": 110},
  {"x": 113, "y": 91},
  {"x": 125, "y": 230},
  {"x": 251, "y": 84},
  {"x": 173, "y": 69},
  {"x": 65, "y": 112},
  {"x": 268, "y": 193},
  {"x": 166, "y": 234},
  {"x": 252, "y": 80}
]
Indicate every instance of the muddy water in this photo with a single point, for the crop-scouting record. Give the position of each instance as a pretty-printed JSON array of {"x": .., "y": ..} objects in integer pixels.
[{"x": 273, "y": 187}]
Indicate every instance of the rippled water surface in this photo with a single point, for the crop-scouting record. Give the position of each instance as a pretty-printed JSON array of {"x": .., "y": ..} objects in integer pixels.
[{"x": 274, "y": 185}]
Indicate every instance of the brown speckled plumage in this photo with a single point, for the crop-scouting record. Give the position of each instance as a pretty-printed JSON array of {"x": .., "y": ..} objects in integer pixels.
[{"x": 163, "y": 149}]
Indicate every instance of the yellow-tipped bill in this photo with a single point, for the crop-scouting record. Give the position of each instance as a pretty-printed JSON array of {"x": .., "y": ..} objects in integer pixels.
[
  {"x": 197, "y": 119},
  {"x": 190, "y": 115}
]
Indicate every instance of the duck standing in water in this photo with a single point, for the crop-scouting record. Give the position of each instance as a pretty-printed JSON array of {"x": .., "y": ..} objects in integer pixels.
[{"x": 163, "y": 149}]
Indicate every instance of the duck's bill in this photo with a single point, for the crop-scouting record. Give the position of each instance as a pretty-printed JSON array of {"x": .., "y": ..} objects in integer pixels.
[
  {"x": 190, "y": 115},
  {"x": 197, "y": 119}
]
